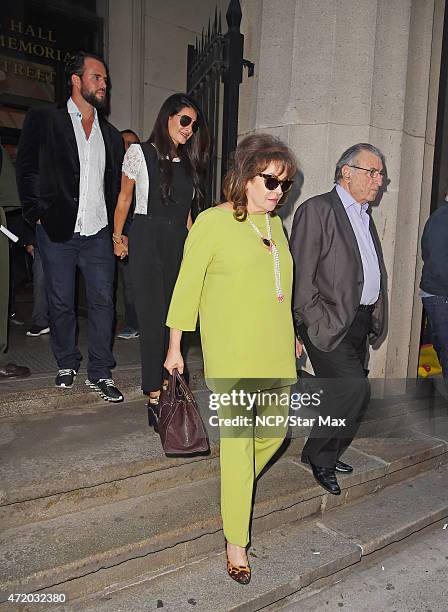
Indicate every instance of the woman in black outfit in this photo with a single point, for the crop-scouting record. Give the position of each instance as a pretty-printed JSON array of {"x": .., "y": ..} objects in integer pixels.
[{"x": 168, "y": 173}]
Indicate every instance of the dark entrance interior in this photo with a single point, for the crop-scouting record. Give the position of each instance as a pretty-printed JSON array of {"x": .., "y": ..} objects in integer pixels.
[{"x": 428, "y": 359}]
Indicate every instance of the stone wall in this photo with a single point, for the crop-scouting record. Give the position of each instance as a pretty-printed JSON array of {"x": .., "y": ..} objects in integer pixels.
[
  {"x": 330, "y": 73},
  {"x": 146, "y": 47}
]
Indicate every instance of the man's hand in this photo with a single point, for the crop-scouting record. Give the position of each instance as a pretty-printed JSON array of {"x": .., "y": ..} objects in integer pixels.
[
  {"x": 30, "y": 249},
  {"x": 299, "y": 348}
]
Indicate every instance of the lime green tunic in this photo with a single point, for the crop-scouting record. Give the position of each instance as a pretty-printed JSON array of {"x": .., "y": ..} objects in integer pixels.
[{"x": 227, "y": 276}]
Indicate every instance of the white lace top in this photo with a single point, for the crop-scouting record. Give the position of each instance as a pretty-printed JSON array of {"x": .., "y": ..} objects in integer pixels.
[{"x": 134, "y": 167}]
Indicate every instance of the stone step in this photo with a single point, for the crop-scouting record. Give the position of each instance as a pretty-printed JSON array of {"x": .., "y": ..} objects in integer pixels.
[
  {"x": 57, "y": 463},
  {"x": 37, "y": 394},
  {"x": 91, "y": 549},
  {"x": 288, "y": 559},
  {"x": 384, "y": 416}
]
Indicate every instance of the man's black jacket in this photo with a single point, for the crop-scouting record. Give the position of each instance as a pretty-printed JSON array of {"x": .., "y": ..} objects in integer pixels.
[{"x": 48, "y": 170}]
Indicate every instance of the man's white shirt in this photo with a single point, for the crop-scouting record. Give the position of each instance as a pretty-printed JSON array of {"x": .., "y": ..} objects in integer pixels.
[{"x": 92, "y": 212}]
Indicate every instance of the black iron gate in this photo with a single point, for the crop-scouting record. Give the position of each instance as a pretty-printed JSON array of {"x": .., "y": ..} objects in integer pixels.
[{"x": 214, "y": 73}]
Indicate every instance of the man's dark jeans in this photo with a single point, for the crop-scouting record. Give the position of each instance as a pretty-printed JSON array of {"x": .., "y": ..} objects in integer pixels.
[
  {"x": 94, "y": 256},
  {"x": 436, "y": 308}
]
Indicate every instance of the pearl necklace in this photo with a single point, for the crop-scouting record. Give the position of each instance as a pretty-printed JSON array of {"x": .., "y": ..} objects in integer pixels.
[{"x": 272, "y": 248}]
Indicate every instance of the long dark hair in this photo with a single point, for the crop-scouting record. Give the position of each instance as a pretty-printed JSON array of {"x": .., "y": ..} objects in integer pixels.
[{"x": 194, "y": 153}]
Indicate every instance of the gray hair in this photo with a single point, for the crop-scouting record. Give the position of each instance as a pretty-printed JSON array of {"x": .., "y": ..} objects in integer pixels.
[{"x": 350, "y": 155}]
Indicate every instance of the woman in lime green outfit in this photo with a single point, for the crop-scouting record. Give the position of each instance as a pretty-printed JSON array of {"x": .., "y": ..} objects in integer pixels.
[{"x": 237, "y": 275}]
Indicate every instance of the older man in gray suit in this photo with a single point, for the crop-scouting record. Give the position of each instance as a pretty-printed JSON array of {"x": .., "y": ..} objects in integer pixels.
[{"x": 339, "y": 302}]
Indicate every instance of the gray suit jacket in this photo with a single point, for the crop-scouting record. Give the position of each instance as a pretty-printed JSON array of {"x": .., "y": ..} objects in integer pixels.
[{"x": 328, "y": 272}]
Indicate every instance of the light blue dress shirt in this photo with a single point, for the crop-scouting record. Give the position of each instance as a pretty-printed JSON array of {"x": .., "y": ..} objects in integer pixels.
[{"x": 360, "y": 222}]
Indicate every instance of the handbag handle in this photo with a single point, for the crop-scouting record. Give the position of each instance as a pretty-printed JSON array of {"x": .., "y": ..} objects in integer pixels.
[{"x": 176, "y": 377}]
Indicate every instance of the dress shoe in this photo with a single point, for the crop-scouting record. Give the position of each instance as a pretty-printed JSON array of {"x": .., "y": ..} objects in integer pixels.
[
  {"x": 11, "y": 370},
  {"x": 325, "y": 477},
  {"x": 343, "y": 468}
]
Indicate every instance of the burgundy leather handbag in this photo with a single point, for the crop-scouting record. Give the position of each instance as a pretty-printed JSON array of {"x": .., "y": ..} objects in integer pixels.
[{"x": 179, "y": 424}]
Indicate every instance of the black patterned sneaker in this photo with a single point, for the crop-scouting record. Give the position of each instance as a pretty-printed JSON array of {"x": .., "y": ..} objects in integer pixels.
[
  {"x": 107, "y": 389},
  {"x": 65, "y": 379}
]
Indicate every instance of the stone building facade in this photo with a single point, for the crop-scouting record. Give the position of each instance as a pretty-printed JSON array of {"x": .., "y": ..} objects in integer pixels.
[{"x": 328, "y": 73}]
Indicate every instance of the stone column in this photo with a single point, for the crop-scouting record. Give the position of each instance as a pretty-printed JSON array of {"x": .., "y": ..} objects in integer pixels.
[
  {"x": 124, "y": 52},
  {"x": 330, "y": 73}
]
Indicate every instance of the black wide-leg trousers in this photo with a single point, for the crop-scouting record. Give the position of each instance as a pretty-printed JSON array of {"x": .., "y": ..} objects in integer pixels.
[
  {"x": 155, "y": 254},
  {"x": 342, "y": 378}
]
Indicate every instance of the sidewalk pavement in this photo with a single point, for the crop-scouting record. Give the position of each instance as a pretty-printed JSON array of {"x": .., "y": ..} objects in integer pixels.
[
  {"x": 36, "y": 353},
  {"x": 37, "y": 393}
]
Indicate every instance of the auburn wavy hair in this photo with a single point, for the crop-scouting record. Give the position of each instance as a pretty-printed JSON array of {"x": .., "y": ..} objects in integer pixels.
[{"x": 252, "y": 156}]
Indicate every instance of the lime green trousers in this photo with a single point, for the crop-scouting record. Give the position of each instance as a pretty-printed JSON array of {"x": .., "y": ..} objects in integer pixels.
[{"x": 244, "y": 452}]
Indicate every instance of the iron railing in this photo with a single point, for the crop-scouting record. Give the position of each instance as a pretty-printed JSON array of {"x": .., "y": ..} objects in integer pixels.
[{"x": 214, "y": 74}]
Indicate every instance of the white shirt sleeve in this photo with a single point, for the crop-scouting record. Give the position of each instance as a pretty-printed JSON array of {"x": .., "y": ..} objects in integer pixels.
[{"x": 132, "y": 161}]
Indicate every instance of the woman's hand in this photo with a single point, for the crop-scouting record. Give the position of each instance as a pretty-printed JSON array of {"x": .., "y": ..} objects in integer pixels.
[
  {"x": 299, "y": 348},
  {"x": 174, "y": 357},
  {"x": 120, "y": 249},
  {"x": 121, "y": 212},
  {"x": 174, "y": 360}
]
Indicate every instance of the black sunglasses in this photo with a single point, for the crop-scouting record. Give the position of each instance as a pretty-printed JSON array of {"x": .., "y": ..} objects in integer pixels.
[
  {"x": 185, "y": 121},
  {"x": 271, "y": 182}
]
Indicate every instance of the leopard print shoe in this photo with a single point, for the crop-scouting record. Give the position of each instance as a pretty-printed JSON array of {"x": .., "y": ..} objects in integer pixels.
[{"x": 239, "y": 573}]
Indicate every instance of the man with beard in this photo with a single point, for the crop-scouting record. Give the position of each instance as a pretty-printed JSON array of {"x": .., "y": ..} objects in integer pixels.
[
  {"x": 68, "y": 175},
  {"x": 339, "y": 302}
]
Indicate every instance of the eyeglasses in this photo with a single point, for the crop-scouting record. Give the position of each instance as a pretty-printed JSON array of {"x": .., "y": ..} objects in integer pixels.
[
  {"x": 185, "y": 121},
  {"x": 372, "y": 171},
  {"x": 271, "y": 182}
]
